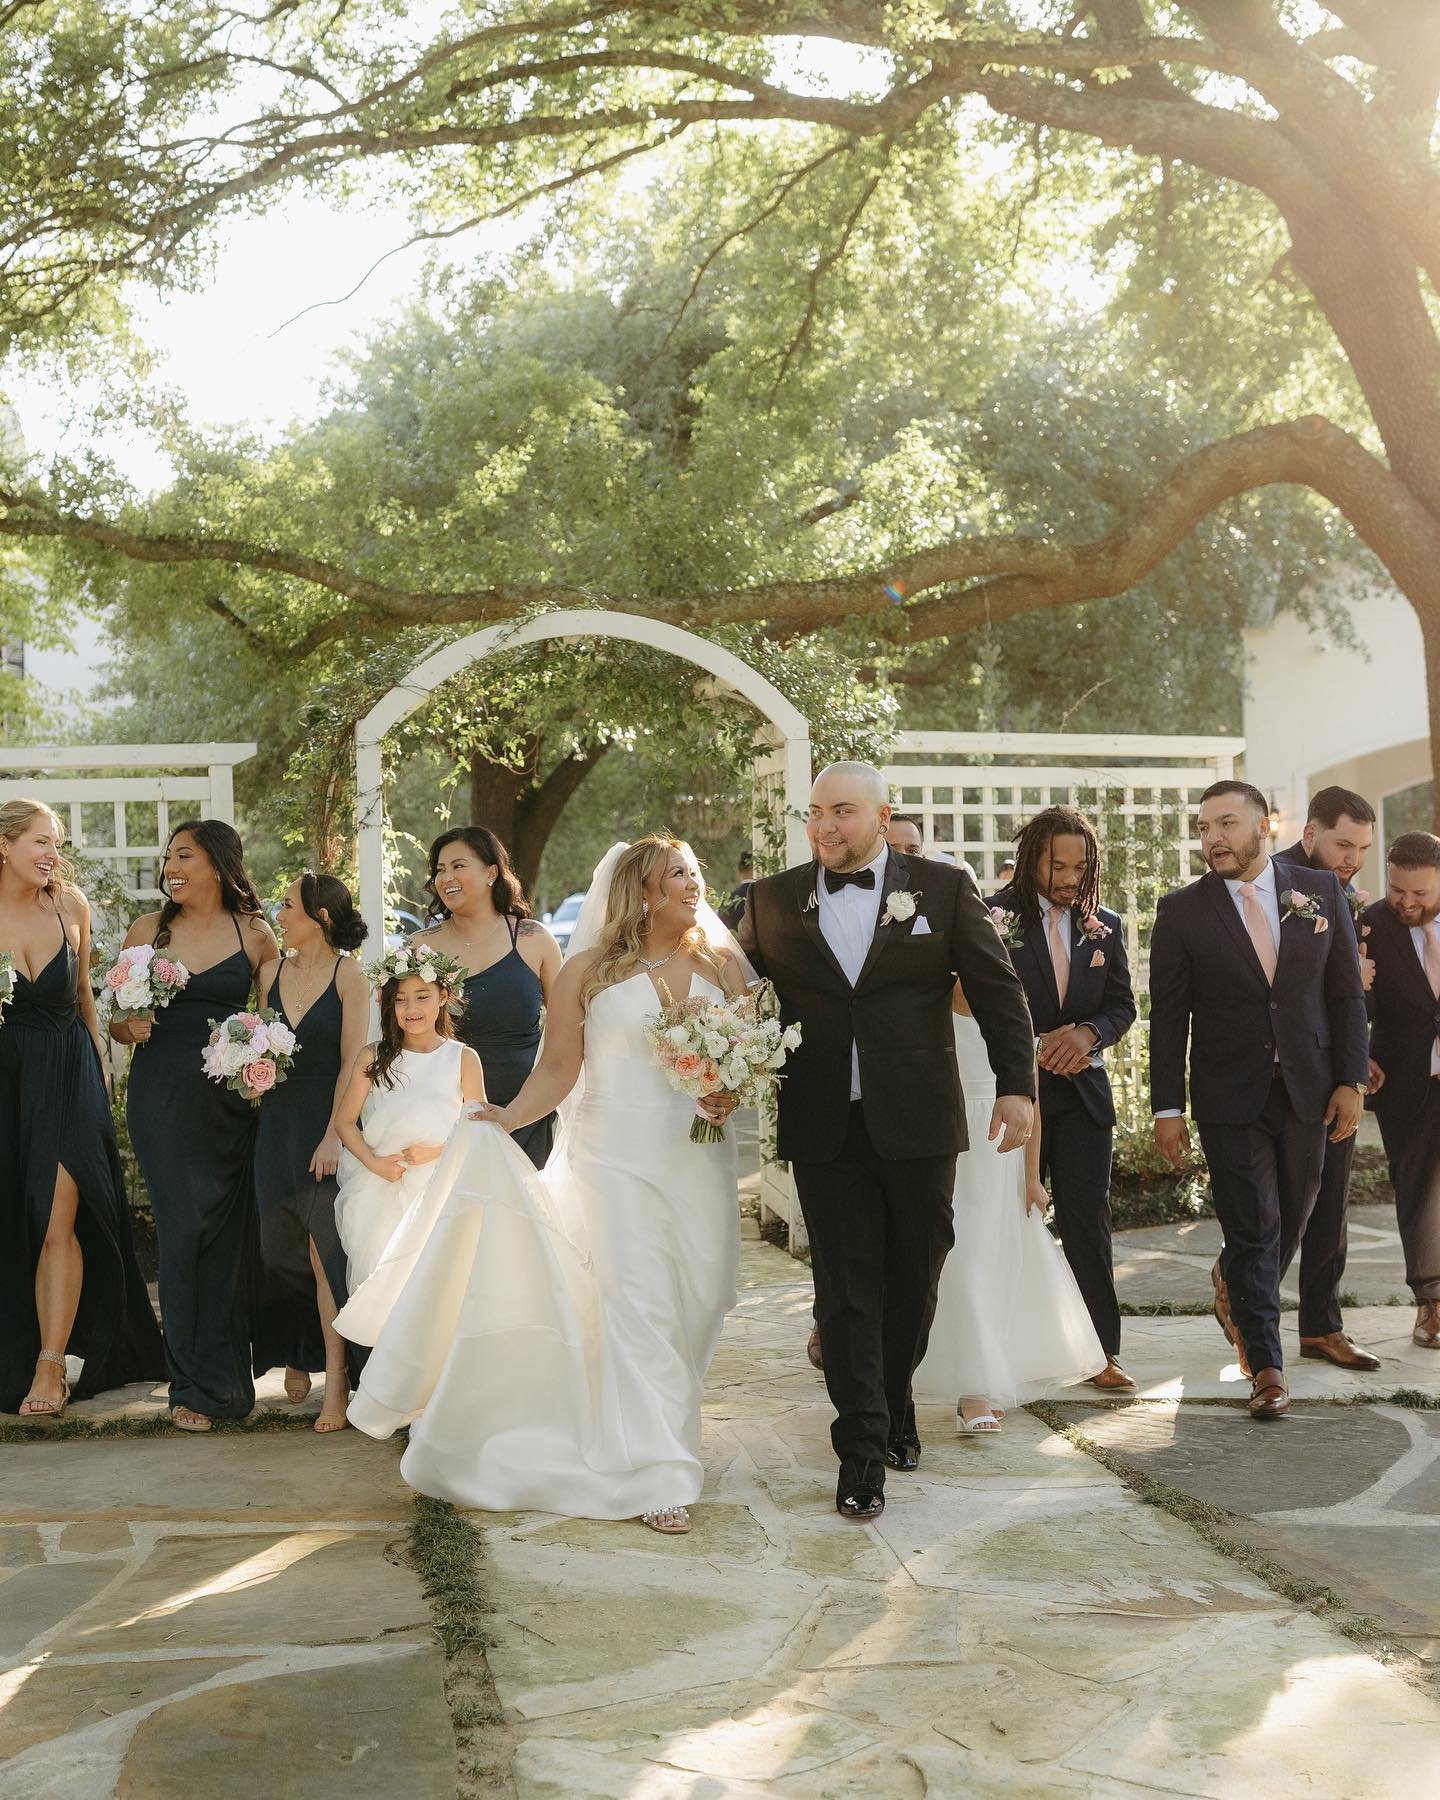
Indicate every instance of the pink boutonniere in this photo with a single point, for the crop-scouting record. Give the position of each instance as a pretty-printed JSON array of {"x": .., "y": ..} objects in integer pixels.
[
  {"x": 1295, "y": 905},
  {"x": 1094, "y": 929}
]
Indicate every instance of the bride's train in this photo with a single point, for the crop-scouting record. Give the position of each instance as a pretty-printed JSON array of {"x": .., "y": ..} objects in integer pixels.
[{"x": 546, "y": 1336}]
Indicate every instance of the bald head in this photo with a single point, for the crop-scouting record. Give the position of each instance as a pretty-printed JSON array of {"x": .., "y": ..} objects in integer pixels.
[{"x": 849, "y": 810}]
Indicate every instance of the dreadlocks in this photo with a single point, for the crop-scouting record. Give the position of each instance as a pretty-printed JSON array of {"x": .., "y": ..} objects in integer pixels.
[{"x": 1032, "y": 855}]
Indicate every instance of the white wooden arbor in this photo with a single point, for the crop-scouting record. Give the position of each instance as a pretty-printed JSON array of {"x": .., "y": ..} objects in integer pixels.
[{"x": 786, "y": 731}]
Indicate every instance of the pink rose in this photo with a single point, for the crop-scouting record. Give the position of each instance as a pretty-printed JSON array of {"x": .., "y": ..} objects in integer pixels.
[
  {"x": 251, "y": 1021},
  {"x": 165, "y": 969},
  {"x": 689, "y": 1065},
  {"x": 259, "y": 1077},
  {"x": 118, "y": 976}
]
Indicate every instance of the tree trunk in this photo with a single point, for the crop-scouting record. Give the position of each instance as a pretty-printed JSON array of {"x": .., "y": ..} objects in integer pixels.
[{"x": 521, "y": 813}]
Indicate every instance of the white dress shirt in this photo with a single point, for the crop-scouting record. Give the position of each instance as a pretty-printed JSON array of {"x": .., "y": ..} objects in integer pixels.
[
  {"x": 847, "y": 924},
  {"x": 1268, "y": 895},
  {"x": 1417, "y": 938}
]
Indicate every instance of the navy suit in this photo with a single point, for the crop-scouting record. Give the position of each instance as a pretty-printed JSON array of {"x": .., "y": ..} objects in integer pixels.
[
  {"x": 1077, "y": 1113},
  {"x": 1324, "y": 1242},
  {"x": 1264, "y": 1061},
  {"x": 1406, "y": 1019}
]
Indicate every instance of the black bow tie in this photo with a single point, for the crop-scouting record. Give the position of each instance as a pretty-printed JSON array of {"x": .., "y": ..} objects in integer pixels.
[{"x": 834, "y": 880}]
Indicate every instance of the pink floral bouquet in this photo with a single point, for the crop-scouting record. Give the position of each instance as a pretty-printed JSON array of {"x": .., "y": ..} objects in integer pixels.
[
  {"x": 730, "y": 1046},
  {"x": 250, "y": 1052},
  {"x": 141, "y": 982}
]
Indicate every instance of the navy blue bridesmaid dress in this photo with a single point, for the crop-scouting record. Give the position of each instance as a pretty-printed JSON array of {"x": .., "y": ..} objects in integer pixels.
[
  {"x": 502, "y": 1026},
  {"x": 295, "y": 1207},
  {"x": 54, "y": 1113},
  {"x": 195, "y": 1141}
]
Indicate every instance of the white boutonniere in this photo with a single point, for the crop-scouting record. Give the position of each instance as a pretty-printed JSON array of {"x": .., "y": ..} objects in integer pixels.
[
  {"x": 900, "y": 906},
  {"x": 1010, "y": 926},
  {"x": 1295, "y": 905}
]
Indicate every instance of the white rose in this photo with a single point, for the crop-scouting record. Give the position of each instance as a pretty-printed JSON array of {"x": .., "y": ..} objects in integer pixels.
[
  {"x": 427, "y": 972},
  {"x": 133, "y": 994},
  {"x": 678, "y": 1035},
  {"x": 901, "y": 906},
  {"x": 234, "y": 1056},
  {"x": 282, "y": 1038}
]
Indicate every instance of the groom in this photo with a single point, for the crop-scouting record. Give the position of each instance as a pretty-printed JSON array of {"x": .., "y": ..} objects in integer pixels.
[{"x": 863, "y": 946}]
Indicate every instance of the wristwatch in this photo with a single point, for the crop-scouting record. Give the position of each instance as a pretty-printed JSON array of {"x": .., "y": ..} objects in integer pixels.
[{"x": 1362, "y": 1088}]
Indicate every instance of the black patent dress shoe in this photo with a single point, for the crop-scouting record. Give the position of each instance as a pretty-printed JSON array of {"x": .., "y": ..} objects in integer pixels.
[
  {"x": 901, "y": 1453},
  {"x": 864, "y": 1503}
]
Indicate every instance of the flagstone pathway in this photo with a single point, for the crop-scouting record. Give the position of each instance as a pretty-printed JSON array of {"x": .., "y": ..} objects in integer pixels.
[{"x": 231, "y": 1615}]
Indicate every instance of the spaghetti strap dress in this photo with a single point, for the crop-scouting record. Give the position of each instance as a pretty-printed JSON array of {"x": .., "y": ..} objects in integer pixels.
[
  {"x": 502, "y": 1026},
  {"x": 195, "y": 1141},
  {"x": 54, "y": 1114},
  {"x": 293, "y": 1206}
]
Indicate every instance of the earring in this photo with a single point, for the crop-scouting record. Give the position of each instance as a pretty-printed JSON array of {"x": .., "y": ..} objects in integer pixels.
[{"x": 644, "y": 908}]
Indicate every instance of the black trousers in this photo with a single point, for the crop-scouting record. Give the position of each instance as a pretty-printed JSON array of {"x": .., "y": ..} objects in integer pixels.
[
  {"x": 1075, "y": 1162},
  {"x": 1323, "y": 1244},
  {"x": 879, "y": 1234},
  {"x": 1263, "y": 1178},
  {"x": 1412, "y": 1146}
]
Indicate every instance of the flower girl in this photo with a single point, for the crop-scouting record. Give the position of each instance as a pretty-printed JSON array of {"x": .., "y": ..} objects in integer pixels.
[{"x": 404, "y": 1097}]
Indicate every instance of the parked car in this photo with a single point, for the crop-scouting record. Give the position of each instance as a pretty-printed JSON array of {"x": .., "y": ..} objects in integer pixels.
[{"x": 562, "y": 920}]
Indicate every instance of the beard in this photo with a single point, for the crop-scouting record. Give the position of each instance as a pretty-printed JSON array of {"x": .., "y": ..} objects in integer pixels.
[{"x": 1246, "y": 854}]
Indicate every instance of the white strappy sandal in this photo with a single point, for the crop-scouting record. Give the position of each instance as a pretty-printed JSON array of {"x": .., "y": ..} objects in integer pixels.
[{"x": 982, "y": 1424}]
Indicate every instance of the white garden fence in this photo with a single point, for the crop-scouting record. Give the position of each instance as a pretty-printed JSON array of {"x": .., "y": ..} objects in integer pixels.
[
  {"x": 118, "y": 802},
  {"x": 972, "y": 791}
]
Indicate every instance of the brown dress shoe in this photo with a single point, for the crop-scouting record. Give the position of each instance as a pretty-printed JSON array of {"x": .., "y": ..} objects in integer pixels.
[
  {"x": 1335, "y": 1347},
  {"x": 812, "y": 1349},
  {"x": 1112, "y": 1376},
  {"x": 1225, "y": 1320},
  {"x": 1427, "y": 1325},
  {"x": 1269, "y": 1396}
]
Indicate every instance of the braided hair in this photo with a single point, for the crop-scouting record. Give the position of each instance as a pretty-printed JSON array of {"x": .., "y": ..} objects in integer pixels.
[{"x": 1032, "y": 850}]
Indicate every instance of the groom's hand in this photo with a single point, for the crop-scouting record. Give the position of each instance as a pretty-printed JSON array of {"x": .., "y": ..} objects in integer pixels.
[
  {"x": 1066, "y": 1050},
  {"x": 1012, "y": 1121},
  {"x": 1172, "y": 1140}
]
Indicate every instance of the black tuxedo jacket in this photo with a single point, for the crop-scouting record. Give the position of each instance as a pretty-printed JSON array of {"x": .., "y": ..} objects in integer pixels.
[
  {"x": 1405, "y": 1015},
  {"x": 1207, "y": 985},
  {"x": 1098, "y": 995},
  {"x": 897, "y": 1015}
]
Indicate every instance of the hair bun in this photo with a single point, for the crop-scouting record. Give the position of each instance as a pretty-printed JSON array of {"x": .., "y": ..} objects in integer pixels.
[{"x": 349, "y": 934}]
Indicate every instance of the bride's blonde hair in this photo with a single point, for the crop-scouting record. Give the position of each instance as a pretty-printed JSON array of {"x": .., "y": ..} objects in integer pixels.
[
  {"x": 622, "y": 937},
  {"x": 15, "y": 818}
]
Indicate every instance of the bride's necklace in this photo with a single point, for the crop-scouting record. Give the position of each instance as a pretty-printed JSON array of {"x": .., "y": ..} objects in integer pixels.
[{"x": 650, "y": 967}]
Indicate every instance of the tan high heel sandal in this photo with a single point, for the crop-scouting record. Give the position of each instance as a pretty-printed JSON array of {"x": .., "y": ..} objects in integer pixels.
[{"x": 33, "y": 1408}]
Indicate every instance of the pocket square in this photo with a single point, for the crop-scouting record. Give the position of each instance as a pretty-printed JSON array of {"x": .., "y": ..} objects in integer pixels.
[
  {"x": 920, "y": 928},
  {"x": 1097, "y": 961}
]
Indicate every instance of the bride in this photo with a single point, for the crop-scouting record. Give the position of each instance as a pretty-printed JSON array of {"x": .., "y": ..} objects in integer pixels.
[{"x": 549, "y": 1333}]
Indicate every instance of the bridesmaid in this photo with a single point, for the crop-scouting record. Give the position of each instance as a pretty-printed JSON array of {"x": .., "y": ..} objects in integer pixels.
[
  {"x": 485, "y": 923},
  {"x": 68, "y": 1275},
  {"x": 194, "y": 1137},
  {"x": 321, "y": 993}
]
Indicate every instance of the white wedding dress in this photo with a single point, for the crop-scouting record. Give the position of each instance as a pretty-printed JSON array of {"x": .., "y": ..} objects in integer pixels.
[
  {"x": 548, "y": 1333},
  {"x": 1009, "y": 1318},
  {"x": 421, "y": 1108}
]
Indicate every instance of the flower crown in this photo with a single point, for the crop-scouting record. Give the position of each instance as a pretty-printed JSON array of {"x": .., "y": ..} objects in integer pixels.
[{"x": 429, "y": 964}]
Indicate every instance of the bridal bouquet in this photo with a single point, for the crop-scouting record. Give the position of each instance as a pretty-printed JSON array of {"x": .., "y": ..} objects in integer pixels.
[
  {"x": 7, "y": 981},
  {"x": 730, "y": 1046},
  {"x": 139, "y": 983},
  {"x": 250, "y": 1052}
]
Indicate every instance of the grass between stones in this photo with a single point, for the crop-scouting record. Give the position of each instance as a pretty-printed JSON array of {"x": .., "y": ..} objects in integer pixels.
[
  {"x": 1223, "y": 1532},
  {"x": 45, "y": 1430},
  {"x": 447, "y": 1554}
]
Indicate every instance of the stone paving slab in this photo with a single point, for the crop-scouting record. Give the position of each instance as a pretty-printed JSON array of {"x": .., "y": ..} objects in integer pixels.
[
  {"x": 1349, "y": 1497},
  {"x": 215, "y": 1616},
  {"x": 1016, "y": 1623},
  {"x": 1172, "y": 1262}
]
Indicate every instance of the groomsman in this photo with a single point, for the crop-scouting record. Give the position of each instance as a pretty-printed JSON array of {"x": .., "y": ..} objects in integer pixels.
[
  {"x": 1339, "y": 830},
  {"x": 1255, "y": 964},
  {"x": 1405, "y": 1047},
  {"x": 1069, "y": 951}
]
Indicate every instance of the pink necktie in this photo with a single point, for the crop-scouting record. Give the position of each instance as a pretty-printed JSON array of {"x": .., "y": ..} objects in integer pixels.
[
  {"x": 1059, "y": 955},
  {"x": 1259, "y": 928},
  {"x": 1432, "y": 956}
]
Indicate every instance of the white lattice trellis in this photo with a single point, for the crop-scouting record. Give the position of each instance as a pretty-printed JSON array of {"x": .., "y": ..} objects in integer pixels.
[
  {"x": 973, "y": 790},
  {"x": 118, "y": 802}
]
